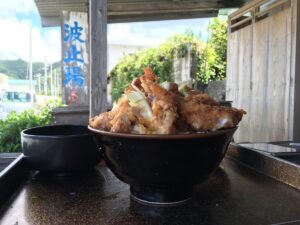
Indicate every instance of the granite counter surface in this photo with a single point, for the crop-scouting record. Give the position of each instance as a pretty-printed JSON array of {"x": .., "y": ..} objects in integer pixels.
[{"x": 233, "y": 195}]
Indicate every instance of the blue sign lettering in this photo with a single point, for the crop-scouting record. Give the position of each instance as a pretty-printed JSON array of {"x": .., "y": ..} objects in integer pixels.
[
  {"x": 74, "y": 76},
  {"x": 71, "y": 55},
  {"x": 73, "y": 33}
]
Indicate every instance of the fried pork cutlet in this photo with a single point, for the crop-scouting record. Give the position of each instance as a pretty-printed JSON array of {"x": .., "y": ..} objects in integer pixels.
[
  {"x": 148, "y": 107},
  {"x": 118, "y": 120},
  {"x": 202, "y": 114},
  {"x": 163, "y": 102},
  {"x": 134, "y": 117}
]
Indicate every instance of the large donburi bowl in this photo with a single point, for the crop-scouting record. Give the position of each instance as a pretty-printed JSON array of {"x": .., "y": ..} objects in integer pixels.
[{"x": 163, "y": 169}]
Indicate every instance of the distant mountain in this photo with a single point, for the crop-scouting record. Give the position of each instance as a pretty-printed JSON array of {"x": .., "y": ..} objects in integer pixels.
[{"x": 17, "y": 69}]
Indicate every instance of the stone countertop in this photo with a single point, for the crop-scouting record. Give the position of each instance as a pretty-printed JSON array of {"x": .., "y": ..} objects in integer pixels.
[
  {"x": 233, "y": 195},
  {"x": 6, "y": 159}
]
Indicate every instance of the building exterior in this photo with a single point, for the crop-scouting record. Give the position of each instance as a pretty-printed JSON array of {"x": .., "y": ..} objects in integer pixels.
[
  {"x": 3, "y": 82},
  {"x": 117, "y": 50},
  {"x": 119, "y": 46},
  {"x": 21, "y": 85}
]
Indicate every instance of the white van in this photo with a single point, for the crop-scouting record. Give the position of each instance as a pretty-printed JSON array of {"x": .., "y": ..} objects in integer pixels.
[{"x": 16, "y": 101}]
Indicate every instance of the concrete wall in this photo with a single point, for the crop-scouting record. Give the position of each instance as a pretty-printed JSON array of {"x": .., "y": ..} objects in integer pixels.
[
  {"x": 18, "y": 87},
  {"x": 3, "y": 82},
  {"x": 185, "y": 68},
  {"x": 216, "y": 89}
]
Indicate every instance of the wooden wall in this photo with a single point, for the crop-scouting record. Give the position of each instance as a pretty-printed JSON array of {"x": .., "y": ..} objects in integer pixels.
[{"x": 261, "y": 74}]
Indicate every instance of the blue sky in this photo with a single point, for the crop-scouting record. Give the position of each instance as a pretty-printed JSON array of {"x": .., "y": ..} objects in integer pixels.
[
  {"x": 32, "y": 16},
  {"x": 17, "y": 16},
  {"x": 164, "y": 29},
  {"x": 16, "y": 19}
]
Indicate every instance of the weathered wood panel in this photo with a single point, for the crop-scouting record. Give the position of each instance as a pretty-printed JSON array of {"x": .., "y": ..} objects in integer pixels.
[
  {"x": 162, "y": 15},
  {"x": 231, "y": 65},
  {"x": 75, "y": 63},
  {"x": 137, "y": 10},
  {"x": 232, "y": 68},
  {"x": 259, "y": 129},
  {"x": 294, "y": 114},
  {"x": 70, "y": 115},
  {"x": 260, "y": 77},
  {"x": 239, "y": 74},
  {"x": 98, "y": 56},
  {"x": 279, "y": 74}
]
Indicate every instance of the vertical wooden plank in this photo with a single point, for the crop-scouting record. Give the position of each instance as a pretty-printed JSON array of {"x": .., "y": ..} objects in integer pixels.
[
  {"x": 259, "y": 131},
  {"x": 234, "y": 80},
  {"x": 243, "y": 97},
  {"x": 232, "y": 66},
  {"x": 295, "y": 78},
  {"x": 287, "y": 84},
  {"x": 75, "y": 64},
  {"x": 98, "y": 56},
  {"x": 279, "y": 74},
  {"x": 239, "y": 70}
]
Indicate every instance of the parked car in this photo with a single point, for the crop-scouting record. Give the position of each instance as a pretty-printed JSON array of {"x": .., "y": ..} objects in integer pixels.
[{"x": 16, "y": 101}]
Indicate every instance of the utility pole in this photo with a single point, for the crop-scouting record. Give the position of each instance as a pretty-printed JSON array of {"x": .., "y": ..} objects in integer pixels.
[
  {"x": 30, "y": 59},
  {"x": 55, "y": 83},
  {"x": 39, "y": 83},
  {"x": 45, "y": 79},
  {"x": 51, "y": 80},
  {"x": 58, "y": 80}
]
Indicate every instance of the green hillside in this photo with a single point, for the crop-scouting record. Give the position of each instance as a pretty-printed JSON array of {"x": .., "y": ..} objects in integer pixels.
[{"x": 17, "y": 69}]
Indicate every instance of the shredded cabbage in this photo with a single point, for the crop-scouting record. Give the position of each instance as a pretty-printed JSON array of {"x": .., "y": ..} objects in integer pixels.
[
  {"x": 139, "y": 129},
  {"x": 138, "y": 99},
  {"x": 165, "y": 85}
]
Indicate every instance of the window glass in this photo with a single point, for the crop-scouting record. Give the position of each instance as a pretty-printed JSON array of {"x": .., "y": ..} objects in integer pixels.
[{"x": 16, "y": 97}]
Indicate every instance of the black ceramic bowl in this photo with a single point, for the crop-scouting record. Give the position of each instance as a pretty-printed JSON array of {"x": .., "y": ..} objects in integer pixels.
[
  {"x": 60, "y": 148},
  {"x": 162, "y": 169}
]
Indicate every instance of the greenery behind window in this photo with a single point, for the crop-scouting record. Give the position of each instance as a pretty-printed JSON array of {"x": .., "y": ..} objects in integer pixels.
[{"x": 211, "y": 58}]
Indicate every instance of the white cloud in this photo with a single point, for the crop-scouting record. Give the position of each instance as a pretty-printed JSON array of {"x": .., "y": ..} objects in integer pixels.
[
  {"x": 51, "y": 43},
  {"x": 122, "y": 34},
  {"x": 10, "y": 8},
  {"x": 14, "y": 41}
]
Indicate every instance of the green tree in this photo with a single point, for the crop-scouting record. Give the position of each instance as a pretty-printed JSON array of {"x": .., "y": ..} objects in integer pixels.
[
  {"x": 10, "y": 139},
  {"x": 211, "y": 58},
  {"x": 160, "y": 59},
  {"x": 212, "y": 64},
  {"x": 17, "y": 69},
  {"x": 218, "y": 42}
]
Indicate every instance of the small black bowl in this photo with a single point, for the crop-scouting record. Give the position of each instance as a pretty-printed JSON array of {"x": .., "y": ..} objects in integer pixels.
[
  {"x": 60, "y": 149},
  {"x": 162, "y": 169}
]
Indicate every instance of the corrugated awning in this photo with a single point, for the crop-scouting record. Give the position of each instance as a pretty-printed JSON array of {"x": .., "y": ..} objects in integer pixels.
[{"x": 137, "y": 10}]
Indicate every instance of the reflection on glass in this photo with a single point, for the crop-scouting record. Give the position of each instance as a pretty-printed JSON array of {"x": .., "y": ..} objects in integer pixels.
[
  {"x": 269, "y": 147},
  {"x": 16, "y": 97}
]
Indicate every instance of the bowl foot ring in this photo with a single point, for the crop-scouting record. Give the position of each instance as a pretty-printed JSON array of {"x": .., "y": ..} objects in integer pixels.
[{"x": 162, "y": 197}]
